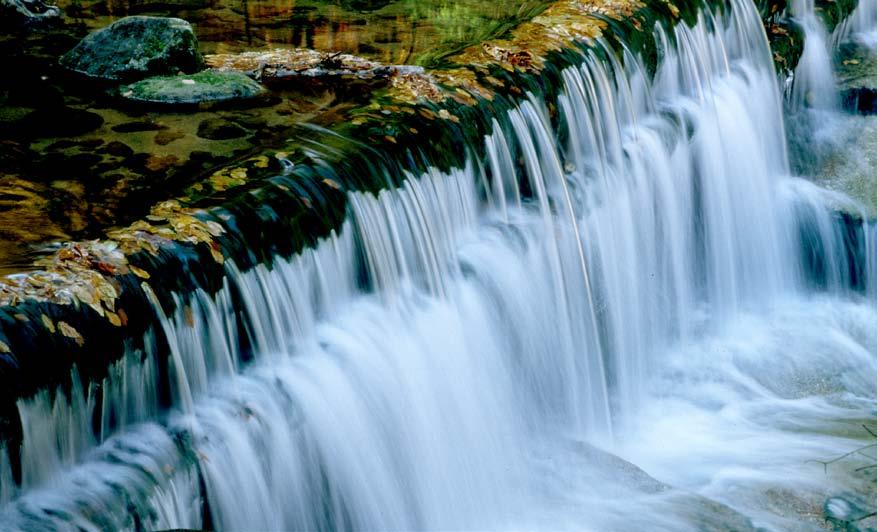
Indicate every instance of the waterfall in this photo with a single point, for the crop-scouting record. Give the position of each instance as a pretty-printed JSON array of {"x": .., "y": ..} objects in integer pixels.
[
  {"x": 860, "y": 26},
  {"x": 656, "y": 285},
  {"x": 814, "y": 84}
]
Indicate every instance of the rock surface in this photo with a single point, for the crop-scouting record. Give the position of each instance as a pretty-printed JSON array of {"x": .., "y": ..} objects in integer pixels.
[
  {"x": 850, "y": 166},
  {"x": 27, "y": 13},
  {"x": 135, "y": 48},
  {"x": 282, "y": 64},
  {"x": 857, "y": 78},
  {"x": 203, "y": 87},
  {"x": 218, "y": 129}
]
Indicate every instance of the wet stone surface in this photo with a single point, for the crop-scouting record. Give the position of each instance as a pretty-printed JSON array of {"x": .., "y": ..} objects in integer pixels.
[
  {"x": 134, "y": 48},
  {"x": 857, "y": 78}
]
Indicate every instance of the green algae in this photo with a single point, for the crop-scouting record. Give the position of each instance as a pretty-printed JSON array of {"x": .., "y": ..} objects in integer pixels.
[{"x": 204, "y": 87}]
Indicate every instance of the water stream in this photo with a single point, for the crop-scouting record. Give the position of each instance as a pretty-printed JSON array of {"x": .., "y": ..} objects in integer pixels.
[
  {"x": 650, "y": 325},
  {"x": 814, "y": 85}
]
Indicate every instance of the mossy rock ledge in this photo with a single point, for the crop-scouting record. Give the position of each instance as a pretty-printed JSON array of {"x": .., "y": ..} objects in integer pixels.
[
  {"x": 209, "y": 86},
  {"x": 183, "y": 246},
  {"x": 136, "y": 47}
]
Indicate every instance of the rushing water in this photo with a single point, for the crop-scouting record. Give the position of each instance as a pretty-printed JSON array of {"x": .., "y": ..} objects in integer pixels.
[
  {"x": 470, "y": 348},
  {"x": 860, "y": 26},
  {"x": 814, "y": 84}
]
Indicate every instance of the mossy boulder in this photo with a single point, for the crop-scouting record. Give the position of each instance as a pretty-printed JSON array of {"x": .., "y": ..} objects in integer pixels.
[
  {"x": 137, "y": 47},
  {"x": 208, "y": 86}
]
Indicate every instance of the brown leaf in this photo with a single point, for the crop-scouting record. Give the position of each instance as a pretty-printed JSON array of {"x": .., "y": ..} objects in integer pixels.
[
  {"x": 114, "y": 318},
  {"x": 70, "y": 332},
  {"x": 123, "y": 316}
]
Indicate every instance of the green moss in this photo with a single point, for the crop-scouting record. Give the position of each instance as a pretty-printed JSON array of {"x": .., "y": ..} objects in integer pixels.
[
  {"x": 833, "y": 12},
  {"x": 203, "y": 87}
]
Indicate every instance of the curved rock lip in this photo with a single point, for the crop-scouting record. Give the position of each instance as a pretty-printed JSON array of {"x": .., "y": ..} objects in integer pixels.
[
  {"x": 90, "y": 301},
  {"x": 208, "y": 86},
  {"x": 135, "y": 48}
]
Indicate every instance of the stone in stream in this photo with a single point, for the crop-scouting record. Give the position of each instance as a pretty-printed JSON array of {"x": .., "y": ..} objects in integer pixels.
[
  {"x": 678, "y": 505},
  {"x": 204, "y": 87},
  {"x": 848, "y": 512},
  {"x": 18, "y": 13},
  {"x": 136, "y": 47},
  {"x": 857, "y": 78},
  {"x": 219, "y": 129}
]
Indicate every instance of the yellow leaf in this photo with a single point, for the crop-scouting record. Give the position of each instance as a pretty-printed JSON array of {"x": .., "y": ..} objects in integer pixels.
[
  {"x": 70, "y": 332},
  {"x": 47, "y": 323},
  {"x": 114, "y": 318},
  {"x": 143, "y": 274},
  {"x": 4, "y": 348},
  {"x": 217, "y": 256}
]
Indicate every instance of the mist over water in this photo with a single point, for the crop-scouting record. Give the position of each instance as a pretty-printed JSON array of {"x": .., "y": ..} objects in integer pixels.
[{"x": 652, "y": 326}]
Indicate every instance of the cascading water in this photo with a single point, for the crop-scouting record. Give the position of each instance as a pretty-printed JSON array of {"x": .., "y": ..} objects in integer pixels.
[
  {"x": 658, "y": 287},
  {"x": 814, "y": 84},
  {"x": 860, "y": 26}
]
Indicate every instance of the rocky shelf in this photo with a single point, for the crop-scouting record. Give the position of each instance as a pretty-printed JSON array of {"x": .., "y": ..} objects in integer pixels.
[{"x": 85, "y": 302}]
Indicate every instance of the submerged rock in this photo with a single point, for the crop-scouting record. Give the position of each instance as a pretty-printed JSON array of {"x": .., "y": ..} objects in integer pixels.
[
  {"x": 61, "y": 122},
  {"x": 203, "y": 87},
  {"x": 218, "y": 129},
  {"x": 27, "y": 13},
  {"x": 135, "y": 48},
  {"x": 857, "y": 78},
  {"x": 844, "y": 513}
]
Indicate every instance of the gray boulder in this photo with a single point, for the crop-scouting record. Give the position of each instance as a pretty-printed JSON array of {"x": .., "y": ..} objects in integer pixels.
[{"x": 135, "y": 48}]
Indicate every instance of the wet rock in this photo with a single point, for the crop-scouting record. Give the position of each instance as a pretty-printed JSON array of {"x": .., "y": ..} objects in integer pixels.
[
  {"x": 118, "y": 149},
  {"x": 64, "y": 122},
  {"x": 857, "y": 78},
  {"x": 17, "y": 13},
  {"x": 844, "y": 512},
  {"x": 135, "y": 48},
  {"x": 159, "y": 163},
  {"x": 137, "y": 127},
  {"x": 218, "y": 129},
  {"x": 165, "y": 137},
  {"x": 11, "y": 119},
  {"x": 15, "y": 156},
  {"x": 204, "y": 87},
  {"x": 599, "y": 467},
  {"x": 280, "y": 64}
]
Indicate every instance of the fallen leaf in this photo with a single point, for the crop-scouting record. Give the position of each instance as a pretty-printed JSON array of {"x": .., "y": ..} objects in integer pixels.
[
  {"x": 143, "y": 274},
  {"x": 114, "y": 318},
  {"x": 47, "y": 322},
  {"x": 70, "y": 332}
]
